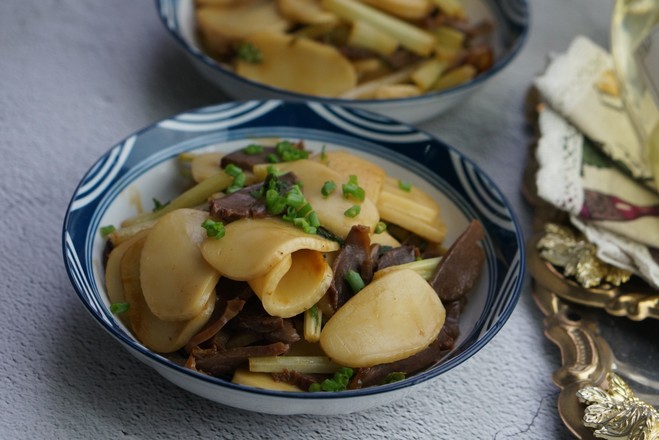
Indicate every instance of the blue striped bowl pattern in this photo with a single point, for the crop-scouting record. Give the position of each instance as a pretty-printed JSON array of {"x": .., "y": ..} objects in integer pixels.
[{"x": 140, "y": 163}]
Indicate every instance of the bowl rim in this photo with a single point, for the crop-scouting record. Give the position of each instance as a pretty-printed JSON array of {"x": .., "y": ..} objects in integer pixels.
[
  {"x": 446, "y": 363},
  {"x": 500, "y": 64}
]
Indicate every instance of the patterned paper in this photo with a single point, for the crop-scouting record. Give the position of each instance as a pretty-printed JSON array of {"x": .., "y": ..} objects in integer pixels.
[{"x": 585, "y": 168}]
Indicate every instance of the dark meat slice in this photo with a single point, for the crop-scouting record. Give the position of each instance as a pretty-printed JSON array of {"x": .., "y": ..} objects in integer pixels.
[
  {"x": 365, "y": 377},
  {"x": 272, "y": 328},
  {"x": 227, "y": 289},
  {"x": 355, "y": 254},
  {"x": 217, "y": 363},
  {"x": 231, "y": 298},
  {"x": 286, "y": 334},
  {"x": 481, "y": 56},
  {"x": 241, "y": 204},
  {"x": 451, "y": 329},
  {"x": 370, "y": 376},
  {"x": 302, "y": 381},
  {"x": 401, "y": 58},
  {"x": 255, "y": 318},
  {"x": 460, "y": 268},
  {"x": 229, "y": 311},
  {"x": 247, "y": 202},
  {"x": 397, "y": 255},
  {"x": 246, "y": 161},
  {"x": 357, "y": 53}
]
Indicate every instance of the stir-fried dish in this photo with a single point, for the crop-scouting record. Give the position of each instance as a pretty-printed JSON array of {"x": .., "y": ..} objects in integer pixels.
[
  {"x": 290, "y": 270},
  {"x": 353, "y": 49}
]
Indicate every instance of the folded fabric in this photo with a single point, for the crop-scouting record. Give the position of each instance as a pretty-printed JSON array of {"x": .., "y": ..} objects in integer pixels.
[
  {"x": 580, "y": 85},
  {"x": 590, "y": 163}
]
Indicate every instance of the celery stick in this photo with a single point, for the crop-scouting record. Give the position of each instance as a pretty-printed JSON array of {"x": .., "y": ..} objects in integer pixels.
[
  {"x": 313, "y": 318},
  {"x": 409, "y": 36},
  {"x": 301, "y": 364},
  {"x": 194, "y": 196},
  {"x": 425, "y": 268}
]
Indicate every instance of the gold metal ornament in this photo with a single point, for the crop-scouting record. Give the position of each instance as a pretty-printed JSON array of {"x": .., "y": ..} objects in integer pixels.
[
  {"x": 562, "y": 247},
  {"x": 615, "y": 413}
]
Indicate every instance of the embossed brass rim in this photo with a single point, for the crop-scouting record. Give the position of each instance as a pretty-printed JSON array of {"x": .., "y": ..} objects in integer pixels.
[{"x": 616, "y": 300}]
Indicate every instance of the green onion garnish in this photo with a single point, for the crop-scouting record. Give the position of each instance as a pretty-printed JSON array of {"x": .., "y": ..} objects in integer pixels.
[
  {"x": 355, "y": 280},
  {"x": 239, "y": 178},
  {"x": 157, "y": 205},
  {"x": 119, "y": 308},
  {"x": 107, "y": 230},
  {"x": 232, "y": 170},
  {"x": 250, "y": 53},
  {"x": 213, "y": 228},
  {"x": 353, "y": 211},
  {"x": 288, "y": 152},
  {"x": 337, "y": 383},
  {"x": 275, "y": 204},
  {"x": 253, "y": 149},
  {"x": 380, "y": 227},
  {"x": 404, "y": 185},
  {"x": 304, "y": 225},
  {"x": 312, "y": 218},
  {"x": 328, "y": 188},
  {"x": 352, "y": 189},
  {"x": 295, "y": 198}
]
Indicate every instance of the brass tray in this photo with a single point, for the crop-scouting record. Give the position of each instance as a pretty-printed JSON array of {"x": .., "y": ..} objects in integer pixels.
[{"x": 608, "y": 337}]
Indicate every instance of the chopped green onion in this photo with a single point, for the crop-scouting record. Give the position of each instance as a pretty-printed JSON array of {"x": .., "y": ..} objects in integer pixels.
[
  {"x": 250, "y": 53},
  {"x": 288, "y": 152},
  {"x": 119, "y": 308},
  {"x": 396, "y": 376},
  {"x": 352, "y": 189},
  {"x": 253, "y": 149},
  {"x": 338, "y": 383},
  {"x": 404, "y": 185},
  {"x": 313, "y": 220},
  {"x": 272, "y": 158},
  {"x": 157, "y": 205},
  {"x": 304, "y": 225},
  {"x": 292, "y": 204},
  {"x": 295, "y": 198},
  {"x": 213, "y": 228},
  {"x": 328, "y": 188},
  {"x": 305, "y": 210},
  {"x": 239, "y": 178},
  {"x": 233, "y": 170},
  {"x": 107, "y": 230},
  {"x": 290, "y": 215},
  {"x": 353, "y": 211},
  {"x": 380, "y": 227},
  {"x": 237, "y": 184},
  {"x": 273, "y": 170},
  {"x": 323, "y": 154},
  {"x": 355, "y": 280},
  {"x": 275, "y": 204}
]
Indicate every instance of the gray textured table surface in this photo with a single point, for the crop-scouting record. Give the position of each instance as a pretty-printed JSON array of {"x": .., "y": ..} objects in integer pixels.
[{"x": 76, "y": 77}]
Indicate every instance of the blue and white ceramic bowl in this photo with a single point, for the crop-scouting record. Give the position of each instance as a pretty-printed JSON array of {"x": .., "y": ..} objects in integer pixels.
[
  {"x": 143, "y": 167},
  {"x": 511, "y": 25}
]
